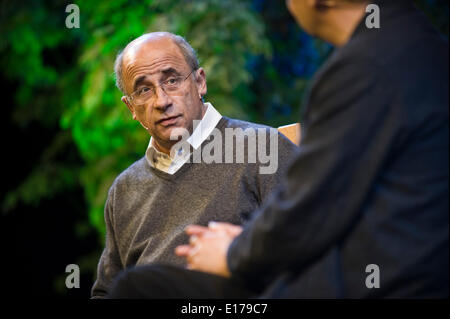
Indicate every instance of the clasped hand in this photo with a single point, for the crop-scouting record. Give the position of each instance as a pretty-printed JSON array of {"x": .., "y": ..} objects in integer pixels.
[{"x": 208, "y": 246}]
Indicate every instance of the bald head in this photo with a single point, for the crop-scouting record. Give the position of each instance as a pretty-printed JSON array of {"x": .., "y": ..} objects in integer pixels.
[{"x": 139, "y": 43}]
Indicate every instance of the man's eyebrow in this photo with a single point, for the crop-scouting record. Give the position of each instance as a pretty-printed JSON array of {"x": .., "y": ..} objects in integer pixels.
[
  {"x": 165, "y": 72},
  {"x": 170, "y": 71},
  {"x": 139, "y": 81}
]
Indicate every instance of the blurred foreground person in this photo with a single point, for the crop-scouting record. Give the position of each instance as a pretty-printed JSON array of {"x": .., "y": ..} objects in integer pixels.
[{"x": 363, "y": 211}]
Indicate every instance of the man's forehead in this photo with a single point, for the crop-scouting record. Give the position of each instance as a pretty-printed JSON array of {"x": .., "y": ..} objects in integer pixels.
[
  {"x": 152, "y": 48},
  {"x": 150, "y": 56}
]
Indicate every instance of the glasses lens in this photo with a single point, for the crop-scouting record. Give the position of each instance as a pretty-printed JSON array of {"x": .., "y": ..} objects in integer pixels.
[{"x": 171, "y": 86}]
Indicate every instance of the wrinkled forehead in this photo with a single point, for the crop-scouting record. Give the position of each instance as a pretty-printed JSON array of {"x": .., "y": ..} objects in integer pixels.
[
  {"x": 150, "y": 56},
  {"x": 152, "y": 52}
]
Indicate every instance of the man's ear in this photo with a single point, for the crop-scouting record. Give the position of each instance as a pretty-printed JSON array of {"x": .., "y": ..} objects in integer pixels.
[
  {"x": 130, "y": 107},
  {"x": 200, "y": 79}
]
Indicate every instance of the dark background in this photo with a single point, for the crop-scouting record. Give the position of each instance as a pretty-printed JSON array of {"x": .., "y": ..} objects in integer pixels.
[{"x": 61, "y": 151}]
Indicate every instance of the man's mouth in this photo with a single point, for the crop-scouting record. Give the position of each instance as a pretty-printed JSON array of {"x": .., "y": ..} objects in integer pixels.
[{"x": 170, "y": 120}]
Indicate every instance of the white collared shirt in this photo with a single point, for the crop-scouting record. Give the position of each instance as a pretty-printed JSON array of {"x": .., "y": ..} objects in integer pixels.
[{"x": 167, "y": 164}]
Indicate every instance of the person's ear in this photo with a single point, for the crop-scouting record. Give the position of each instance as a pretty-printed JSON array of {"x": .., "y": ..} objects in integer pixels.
[
  {"x": 130, "y": 107},
  {"x": 200, "y": 80}
]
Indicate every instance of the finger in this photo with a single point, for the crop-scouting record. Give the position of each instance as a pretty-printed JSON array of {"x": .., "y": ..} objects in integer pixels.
[
  {"x": 191, "y": 267},
  {"x": 195, "y": 230},
  {"x": 192, "y": 240},
  {"x": 219, "y": 225},
  {"x": 182, "y": 250},
  {"x": 231, "y": 229},
  {"x": 191, "y": 256},
  {"x": 234, "y": 230}
]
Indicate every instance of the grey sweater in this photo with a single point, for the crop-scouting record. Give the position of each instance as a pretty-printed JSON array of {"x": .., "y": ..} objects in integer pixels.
[{"x": 147, "y": 210}]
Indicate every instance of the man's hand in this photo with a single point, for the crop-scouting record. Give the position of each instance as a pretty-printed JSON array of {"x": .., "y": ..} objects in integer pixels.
[{"x": 208, "y": 246}]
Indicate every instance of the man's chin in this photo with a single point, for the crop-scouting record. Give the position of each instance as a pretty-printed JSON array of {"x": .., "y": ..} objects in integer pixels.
[{"x": 176, "y": 133}]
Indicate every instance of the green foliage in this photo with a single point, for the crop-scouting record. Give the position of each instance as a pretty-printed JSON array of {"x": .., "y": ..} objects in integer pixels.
[
  {"x": 83, "y": 97},
  {"x": 102, "y": 128}
]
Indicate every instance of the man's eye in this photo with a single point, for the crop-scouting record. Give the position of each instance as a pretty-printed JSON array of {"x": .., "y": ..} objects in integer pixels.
[
  {"x": 172, "y": 81},
  {"x": 144, "y": 90}
]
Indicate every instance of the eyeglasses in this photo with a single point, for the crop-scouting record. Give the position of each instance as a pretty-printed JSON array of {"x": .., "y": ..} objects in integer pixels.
[{"x": 169, "y": 86}]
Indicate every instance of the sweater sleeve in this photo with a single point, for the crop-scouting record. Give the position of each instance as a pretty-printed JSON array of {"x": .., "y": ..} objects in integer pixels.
[{"x": 110, "y": 263}]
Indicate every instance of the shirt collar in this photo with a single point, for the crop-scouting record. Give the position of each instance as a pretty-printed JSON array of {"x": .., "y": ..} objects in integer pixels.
[
  {"x": 203, "y": 129},
  {"x": 205, "y": 126}
]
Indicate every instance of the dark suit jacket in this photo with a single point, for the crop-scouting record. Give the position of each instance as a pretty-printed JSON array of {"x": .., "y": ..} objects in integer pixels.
[{"x": 370, "y": 185}]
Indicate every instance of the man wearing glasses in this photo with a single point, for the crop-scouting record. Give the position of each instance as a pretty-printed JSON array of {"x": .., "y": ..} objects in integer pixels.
[{"x": 150, "y": 203}]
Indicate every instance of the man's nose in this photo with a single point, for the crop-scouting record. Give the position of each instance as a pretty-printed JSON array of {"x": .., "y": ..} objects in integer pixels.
[{"x": 162, "y": 99}]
